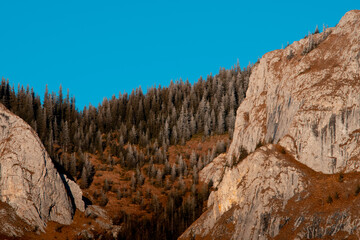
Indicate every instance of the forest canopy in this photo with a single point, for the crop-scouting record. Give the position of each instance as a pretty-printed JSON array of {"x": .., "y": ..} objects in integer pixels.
[{"x": 134, "y": 131}]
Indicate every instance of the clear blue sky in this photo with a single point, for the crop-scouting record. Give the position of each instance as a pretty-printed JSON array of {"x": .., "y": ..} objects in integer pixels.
[{"x": 99, "y": 48}]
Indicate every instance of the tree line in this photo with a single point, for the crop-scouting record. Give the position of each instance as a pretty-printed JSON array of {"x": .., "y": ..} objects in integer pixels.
[{"x": 135, "y": 131}]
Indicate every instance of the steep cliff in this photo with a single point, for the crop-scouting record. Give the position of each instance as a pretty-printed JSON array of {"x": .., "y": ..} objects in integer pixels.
[
  {"x": 303, "y": 104},
  {"x": 30, "y": 187}
]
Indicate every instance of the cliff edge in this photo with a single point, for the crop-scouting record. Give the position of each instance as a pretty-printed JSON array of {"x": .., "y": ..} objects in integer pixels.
[{"x": 300, "y": 122}]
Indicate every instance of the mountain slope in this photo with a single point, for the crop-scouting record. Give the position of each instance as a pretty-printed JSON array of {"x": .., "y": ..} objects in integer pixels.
[
  {"x": 303, "y": 104},
  {"x": 30, "y": 186},
  {"x": 310, "y": 104}
]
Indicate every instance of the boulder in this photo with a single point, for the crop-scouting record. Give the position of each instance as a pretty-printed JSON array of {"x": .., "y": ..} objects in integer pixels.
[{"x": 29, "y": 182}]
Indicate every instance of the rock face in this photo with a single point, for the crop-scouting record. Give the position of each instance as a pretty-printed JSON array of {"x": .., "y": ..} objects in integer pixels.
[
  {"x": 304, "y": 107},
  {"x": 29, "y": 182},
  {"x": 214, "y": 171},
  {"x": 311, "y": 103},
  {"x": 263, "y": 176}
]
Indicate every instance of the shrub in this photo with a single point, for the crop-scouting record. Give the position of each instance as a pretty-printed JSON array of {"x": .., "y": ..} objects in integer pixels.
[
  {"x": 329, "y": 199},
  {"x": 103, "y": 200},
  {"x": 312, "y": 43},
  {"x": 290, "y": 55},
  {"x": 316, "y": 30},
  {"x": 220, "y": 147},
  {"x": 106, "y": 185},
  {"x": 357, "y": 191},
  {"x": 59, "y": 228},
  {"x": 310, "y": 46},
  {"x": 341, "y": 177},
  {"x": 96, "y": 195},
  {"x": 118, "y": 194}
]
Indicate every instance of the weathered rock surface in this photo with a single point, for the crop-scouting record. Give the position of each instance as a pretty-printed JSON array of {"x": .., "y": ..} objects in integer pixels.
[
  {"x": 76, "y": 194},
  {"x": 310, "y": 104},
  {"x": 11, "y": 224},
  {"x": 249, "y": 191},
  {"x": 29, "y": 182},
  {"x": 305, "y": 109},
  {"x": 214, "y": 171}
]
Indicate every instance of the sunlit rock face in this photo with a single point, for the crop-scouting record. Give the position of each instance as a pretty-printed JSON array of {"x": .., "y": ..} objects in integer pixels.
[
  {"x": 310, "y": 103},
  {"x": 304, "y": 108},
  {"x": 29, "y": 183}
]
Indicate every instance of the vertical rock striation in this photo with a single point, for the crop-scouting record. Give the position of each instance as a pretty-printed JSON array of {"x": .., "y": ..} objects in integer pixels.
[
  {"x": 311, "y": 103},
  {"x": 304, "y": 107}
]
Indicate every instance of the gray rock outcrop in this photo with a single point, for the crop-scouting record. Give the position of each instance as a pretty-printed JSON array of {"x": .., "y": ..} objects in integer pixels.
[
  {"x": 214, "y": 171},
  {"x": 304, "y": 108},
  {"x": 29, "y": 182},
  {"x": 310, "y": 103},
  {"x": 247, "y": 194}
]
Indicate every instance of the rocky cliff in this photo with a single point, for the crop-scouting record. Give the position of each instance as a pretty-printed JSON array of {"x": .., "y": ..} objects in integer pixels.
[
  {"x": 300, "y": 122},
  {"x": 32, "y": 192}
]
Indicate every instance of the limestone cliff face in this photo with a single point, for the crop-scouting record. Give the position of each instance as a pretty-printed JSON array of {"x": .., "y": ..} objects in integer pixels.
[
  {"x": 310, "y": 104},
  {"x": 247, "y": 195},
  {"x": 29, "y": 182},
  {"x": 305, "y": 109}
]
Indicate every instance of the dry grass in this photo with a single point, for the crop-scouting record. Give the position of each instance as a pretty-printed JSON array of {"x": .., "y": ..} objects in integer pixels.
[{"x": 120, "y": 179}]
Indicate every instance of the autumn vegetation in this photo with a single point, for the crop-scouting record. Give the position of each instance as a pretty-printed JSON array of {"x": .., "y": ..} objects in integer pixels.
[{"x": 139, "y": 155}]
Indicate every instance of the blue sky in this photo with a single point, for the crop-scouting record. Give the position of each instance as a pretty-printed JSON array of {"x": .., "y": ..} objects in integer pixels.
[{"x": 100, "y": 48}]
